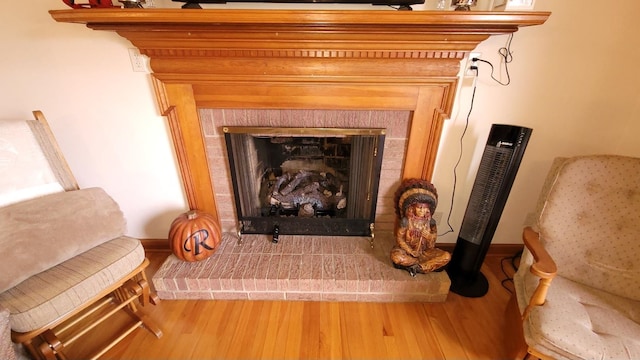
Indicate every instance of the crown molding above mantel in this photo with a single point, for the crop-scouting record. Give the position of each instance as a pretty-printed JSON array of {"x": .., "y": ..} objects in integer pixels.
[{"x": 301, "y": 59}]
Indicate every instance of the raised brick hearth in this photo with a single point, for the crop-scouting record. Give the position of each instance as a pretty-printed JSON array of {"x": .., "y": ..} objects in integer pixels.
[{"x": 299, "y": 268}]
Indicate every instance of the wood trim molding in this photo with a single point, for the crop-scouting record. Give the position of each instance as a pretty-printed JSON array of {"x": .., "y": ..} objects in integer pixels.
[
  {"x": 156, "y": 245},
  {"x": 501, "y": 250},
  {"x": 301, "y": 59}
]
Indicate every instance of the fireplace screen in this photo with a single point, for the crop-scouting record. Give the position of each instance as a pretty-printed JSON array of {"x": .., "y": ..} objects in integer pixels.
[{"x": 305, "y": 180}]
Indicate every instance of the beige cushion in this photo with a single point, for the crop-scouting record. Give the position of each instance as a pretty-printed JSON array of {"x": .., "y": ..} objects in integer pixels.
[
  {"x": 45, "y": 297},
  {"x": 579, "y": 322},
  {"x": 43, "y": 232},
  {"x": 590, "y": 223}
]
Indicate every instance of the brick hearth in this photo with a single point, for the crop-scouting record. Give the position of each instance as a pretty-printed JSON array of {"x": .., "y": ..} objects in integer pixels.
[{"x": 312, "y": 268}]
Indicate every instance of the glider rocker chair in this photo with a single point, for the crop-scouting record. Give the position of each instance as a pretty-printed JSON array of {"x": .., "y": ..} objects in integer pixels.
[
  {"x": 66, "y": 265},
  {"x": 578, "y": 284}
]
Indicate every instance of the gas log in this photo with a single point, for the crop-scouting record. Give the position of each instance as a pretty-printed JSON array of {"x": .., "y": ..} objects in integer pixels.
[{"x": 310, "y": 192}]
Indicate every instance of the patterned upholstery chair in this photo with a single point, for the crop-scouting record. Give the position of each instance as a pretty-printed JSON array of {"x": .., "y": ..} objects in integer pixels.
[
  {"x": 66, "y": 266},
  {"x": 578, "y": 285}
]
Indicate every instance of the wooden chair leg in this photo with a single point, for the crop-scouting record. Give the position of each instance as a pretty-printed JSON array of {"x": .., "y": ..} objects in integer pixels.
[
  {"x": 149, "y": 296},
  {"x": 149, "y": 324},
  {"x": 32, "y": 349},
  {"x": 142, "y": 290},
  {"x": 52, "y": 347},
  {"x": 46, "y": 351}
]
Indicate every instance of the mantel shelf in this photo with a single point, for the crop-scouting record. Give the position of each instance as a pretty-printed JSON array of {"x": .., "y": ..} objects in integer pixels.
[{"x": 471, "y": 22}]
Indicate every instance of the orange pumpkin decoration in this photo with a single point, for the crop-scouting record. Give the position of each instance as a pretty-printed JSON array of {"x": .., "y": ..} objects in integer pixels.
[{"x": 194, "y": 236}]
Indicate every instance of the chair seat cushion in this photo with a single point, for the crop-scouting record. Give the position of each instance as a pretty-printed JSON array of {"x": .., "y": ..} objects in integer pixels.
[
  {"x": 580, "y": 322},
  {"x": 56, "y": 292},
  {"x": 40, "y": 233}
]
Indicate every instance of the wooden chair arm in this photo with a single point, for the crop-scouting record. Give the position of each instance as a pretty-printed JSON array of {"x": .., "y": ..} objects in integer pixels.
[{"x": 544, "y": 267}]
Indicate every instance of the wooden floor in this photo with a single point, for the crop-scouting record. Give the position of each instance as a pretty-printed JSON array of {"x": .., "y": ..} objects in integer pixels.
[{"x": 460, "y": 328}]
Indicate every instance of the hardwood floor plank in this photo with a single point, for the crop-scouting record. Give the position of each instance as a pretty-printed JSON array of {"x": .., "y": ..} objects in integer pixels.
[
  {"x": 361, "y": 330},
  {"x": 405, "y": 333},
  {"x": 293, "y": 341},
  {"x": 252, "y": 330},
  {"x": 378, "y": 330},
  {"x": 227, "y": 331},
  {"x": 277, "y": 329},
  {"x": 429, "y": 336},
  {"x": 444, "y": 332},
  {"x": 309, "y": 347},
  {"x": 392, "y": 346},
  {"x": 330, "y": 331},
  {"x": 216, "y": 332}
]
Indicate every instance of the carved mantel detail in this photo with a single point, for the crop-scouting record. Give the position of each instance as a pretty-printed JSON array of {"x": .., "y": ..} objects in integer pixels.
[
  {"x": 310, "y": 53},
  {"x": 301, "y": 59}
]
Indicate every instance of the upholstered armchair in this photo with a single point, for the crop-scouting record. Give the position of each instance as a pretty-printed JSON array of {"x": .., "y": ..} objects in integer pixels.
[
  {"x": 67, "y": 266},
  {"x": 578, "y": 284}
]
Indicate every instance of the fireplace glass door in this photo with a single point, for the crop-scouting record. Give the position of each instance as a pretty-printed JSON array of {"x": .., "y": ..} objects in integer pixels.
[{"x": 305, "y": 181}]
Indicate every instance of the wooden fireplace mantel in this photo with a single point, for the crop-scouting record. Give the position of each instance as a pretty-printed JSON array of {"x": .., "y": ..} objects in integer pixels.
[{"x": 301, "y": 59}]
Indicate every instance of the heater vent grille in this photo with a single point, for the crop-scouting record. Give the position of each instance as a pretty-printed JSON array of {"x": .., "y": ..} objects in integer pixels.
[{"x": 491, "y": 174}]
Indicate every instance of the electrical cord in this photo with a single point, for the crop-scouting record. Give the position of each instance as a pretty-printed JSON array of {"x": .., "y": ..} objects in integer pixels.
[
  {"x": 507, "y": 57},
  {"x": 513, "y": 260},
  {"x": 455, "y": 167}
]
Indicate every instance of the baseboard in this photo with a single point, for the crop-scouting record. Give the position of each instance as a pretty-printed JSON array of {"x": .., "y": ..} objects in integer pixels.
[
  {"x": 501, "y": 250},
  {"x": 155, "y": 245},
  {"x": 504, "y": 249},
  {"x": 162, "y": 245}
]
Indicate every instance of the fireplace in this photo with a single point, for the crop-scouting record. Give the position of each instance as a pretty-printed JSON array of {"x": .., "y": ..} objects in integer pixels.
[
  {"x": 400, "y": 68},
  {"x": 305, "y": 181}
]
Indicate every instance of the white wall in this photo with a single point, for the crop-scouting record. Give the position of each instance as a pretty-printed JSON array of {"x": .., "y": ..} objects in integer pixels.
[
  {"x": 574, "y": 81},
  {"x": 103, "y": 114}
]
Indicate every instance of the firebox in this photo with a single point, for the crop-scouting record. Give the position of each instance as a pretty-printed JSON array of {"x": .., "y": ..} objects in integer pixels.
[{"x": 305, "y": 181}]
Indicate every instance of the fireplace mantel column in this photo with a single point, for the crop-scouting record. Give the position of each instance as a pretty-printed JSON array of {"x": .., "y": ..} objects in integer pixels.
[{"x": 301, "y": 59}]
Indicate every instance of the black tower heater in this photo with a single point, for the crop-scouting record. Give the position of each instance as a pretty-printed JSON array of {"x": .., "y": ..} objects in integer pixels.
[{"x": 500, "y": 161}]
